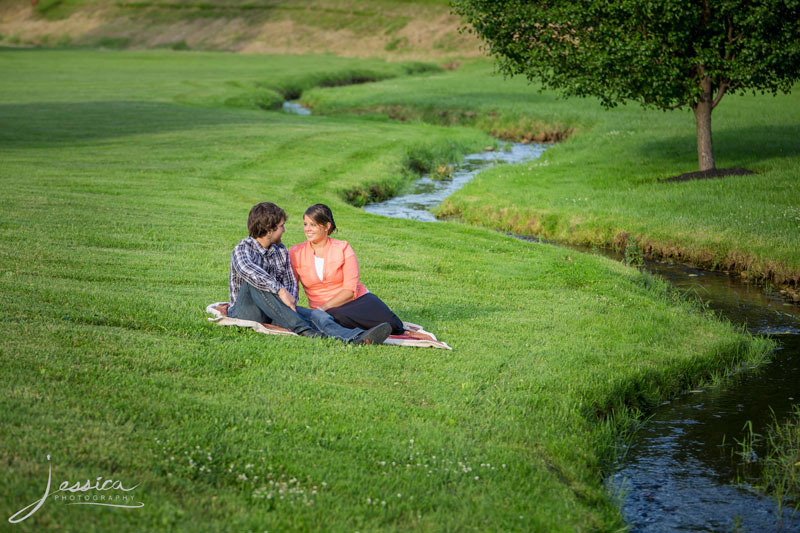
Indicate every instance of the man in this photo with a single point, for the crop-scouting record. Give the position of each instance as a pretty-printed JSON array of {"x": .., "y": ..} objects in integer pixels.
[{"x": 263, "y": 287}]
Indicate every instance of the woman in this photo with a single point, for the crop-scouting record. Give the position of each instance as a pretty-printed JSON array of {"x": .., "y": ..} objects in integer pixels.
[{"x": 328, "y": 270}]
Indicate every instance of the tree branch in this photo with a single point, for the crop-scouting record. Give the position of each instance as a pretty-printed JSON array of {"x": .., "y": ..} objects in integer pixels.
[
  {"x": 720, "y": 93},
  {"x": 676, "y": 106}
]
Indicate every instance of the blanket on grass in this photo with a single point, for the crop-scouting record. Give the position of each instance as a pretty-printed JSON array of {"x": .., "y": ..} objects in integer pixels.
[{"x": 414, "y": 335}]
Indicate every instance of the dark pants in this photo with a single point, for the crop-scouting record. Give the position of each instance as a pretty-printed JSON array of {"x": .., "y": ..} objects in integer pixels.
[
  {"x": 266, "y": 307},
  {"x": 366, "y": 312}
]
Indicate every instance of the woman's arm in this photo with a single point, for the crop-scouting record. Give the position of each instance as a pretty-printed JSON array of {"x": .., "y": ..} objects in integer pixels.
[
  {"x": 342, "y": 297},
  {"x": 350, "y": 275}
]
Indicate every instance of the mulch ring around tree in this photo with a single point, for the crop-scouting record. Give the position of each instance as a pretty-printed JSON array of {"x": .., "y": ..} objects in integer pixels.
[{"x": 708, "y": 174}]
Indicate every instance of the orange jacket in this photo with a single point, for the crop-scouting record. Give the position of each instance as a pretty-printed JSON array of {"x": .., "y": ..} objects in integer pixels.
[{"x": 339, "y": 272}]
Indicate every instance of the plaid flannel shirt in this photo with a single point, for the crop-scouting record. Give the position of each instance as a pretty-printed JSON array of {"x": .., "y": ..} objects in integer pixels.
[{"x": 266, "y": 269}]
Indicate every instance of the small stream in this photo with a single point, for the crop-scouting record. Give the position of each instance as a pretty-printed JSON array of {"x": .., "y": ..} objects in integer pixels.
[
  {"x": 427, "y": 192},
  {"x": 295, "y": 108},
  {"x": 675, "y": 473}
]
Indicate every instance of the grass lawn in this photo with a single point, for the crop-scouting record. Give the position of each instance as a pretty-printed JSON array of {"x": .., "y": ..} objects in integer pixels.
[
  {"x": 126, "y": 179},
  {"x": 603, "y": 182}
]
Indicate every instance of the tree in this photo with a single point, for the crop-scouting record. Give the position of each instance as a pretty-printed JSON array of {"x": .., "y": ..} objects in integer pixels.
[{"x": 662, "y": 53}]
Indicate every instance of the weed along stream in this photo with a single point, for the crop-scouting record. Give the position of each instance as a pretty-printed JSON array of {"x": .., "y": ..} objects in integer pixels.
[{"x": 689, "y": 465}]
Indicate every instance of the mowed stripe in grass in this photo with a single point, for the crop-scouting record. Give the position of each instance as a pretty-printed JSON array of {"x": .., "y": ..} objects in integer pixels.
[
  {"x": 116, "y": 238},
  {"x": 605, "y": 179}
]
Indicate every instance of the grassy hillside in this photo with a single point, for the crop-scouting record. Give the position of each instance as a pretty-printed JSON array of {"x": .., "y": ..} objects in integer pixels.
[
  {"x": 604, "y": 184},
  {"x": 125, "y": 181},
  {"x": 404, "y": 29}
]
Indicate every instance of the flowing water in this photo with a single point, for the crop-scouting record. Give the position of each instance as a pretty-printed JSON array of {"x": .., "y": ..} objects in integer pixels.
[
  {"x": 682, "y": 470},
  {"x": 428, "y": 192},
  {"x": 295, "y": 108}
]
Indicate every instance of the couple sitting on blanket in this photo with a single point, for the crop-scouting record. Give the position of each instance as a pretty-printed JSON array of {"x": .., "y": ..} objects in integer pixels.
[{"x": 263, "y": 283}]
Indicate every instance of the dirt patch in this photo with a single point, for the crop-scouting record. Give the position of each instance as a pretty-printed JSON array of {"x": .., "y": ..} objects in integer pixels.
[
  {"x": 397, "y": 31},
  {"x": 19, "y": 22},
  {"x": 709, "y": 174}
]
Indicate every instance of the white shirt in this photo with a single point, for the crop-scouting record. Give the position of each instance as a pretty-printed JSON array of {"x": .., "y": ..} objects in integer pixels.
[{"x": 319, "y": 262}]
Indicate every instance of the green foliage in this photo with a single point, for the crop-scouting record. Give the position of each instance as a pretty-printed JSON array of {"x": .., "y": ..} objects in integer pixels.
[
  {"x": 178, "y": 45},
  {"x": 394, "y": 43},
  {"x": 633, "y": 253},
  {"x": 652, "y": 52},
  {"x": 256, "y": 99},
  {"x": 293, "y": 86},
  {"x": 44, "y": 6},
  {"x": 664, "y": 54},
  {"x": 781, "y": 470},
  {"x": 116, "y": 43}
]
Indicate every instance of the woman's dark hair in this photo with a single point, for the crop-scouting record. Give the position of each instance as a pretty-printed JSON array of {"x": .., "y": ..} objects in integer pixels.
[
  {"x": 263, "y": 218},
  {"x": 321, "y": 214}
]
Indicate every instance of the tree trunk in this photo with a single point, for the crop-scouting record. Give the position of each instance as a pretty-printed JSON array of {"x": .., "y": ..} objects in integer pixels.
[{"x": 702, "y": 115}]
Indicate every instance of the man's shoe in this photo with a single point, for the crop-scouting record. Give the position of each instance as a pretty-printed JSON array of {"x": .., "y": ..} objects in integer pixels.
[
  {"x": 375, "y": 335},
  {"x": 311, "y": 333}
]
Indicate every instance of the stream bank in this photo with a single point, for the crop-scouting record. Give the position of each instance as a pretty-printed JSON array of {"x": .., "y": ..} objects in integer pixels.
[{"x": 680, "y": 470}]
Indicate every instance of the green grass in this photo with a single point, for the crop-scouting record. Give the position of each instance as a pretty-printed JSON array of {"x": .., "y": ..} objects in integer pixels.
[
  {"x": 781, "y": 465},
  {"x": 603, "y": 182},
  {"x": 126, "y": 181}
]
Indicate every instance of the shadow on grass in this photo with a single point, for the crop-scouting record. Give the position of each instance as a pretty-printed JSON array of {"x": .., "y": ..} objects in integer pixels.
[
  {"x": 735, "y": 146},
  {"x": 60, "y": 123}
]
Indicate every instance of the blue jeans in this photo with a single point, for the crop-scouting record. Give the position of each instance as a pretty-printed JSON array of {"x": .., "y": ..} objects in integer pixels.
[
  {"x": 261, "y": 306},
  {"x": 325, "y": 323}
]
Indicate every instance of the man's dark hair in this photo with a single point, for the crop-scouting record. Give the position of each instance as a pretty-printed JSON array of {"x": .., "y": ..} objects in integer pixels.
[
  {"x": 263, "y": 218},
  {"x": 321, "y": 214}
]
